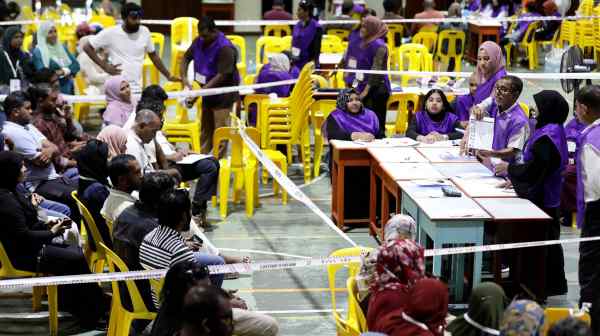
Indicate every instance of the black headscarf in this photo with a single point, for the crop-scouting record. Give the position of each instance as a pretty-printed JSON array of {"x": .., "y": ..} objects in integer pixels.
[
  {"x": 9, "y": 33},
  {"x": 343, "y": 98},
  {"x": 552, "y": 108},
  {"x": 10, "y": 166},
  {"x": 92, "y": 163}
]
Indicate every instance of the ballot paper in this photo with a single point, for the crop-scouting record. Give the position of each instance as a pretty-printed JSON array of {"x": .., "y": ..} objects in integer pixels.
[
  {"x": 481, "y": 134},
  {"x": 390, "y": 142},
  {"x": 193, "y": 158}
]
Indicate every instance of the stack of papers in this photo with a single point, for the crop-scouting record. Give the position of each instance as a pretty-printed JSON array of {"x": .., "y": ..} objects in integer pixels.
[{"x": 481, "y": 134}]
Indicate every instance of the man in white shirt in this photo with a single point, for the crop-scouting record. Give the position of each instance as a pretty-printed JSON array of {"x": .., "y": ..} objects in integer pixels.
[
  {"x": 127, "y": 45},
  {"x": 126, "y": 177}
]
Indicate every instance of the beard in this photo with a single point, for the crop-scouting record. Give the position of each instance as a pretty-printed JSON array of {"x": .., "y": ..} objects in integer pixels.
[{"x": 132, "y": 28}]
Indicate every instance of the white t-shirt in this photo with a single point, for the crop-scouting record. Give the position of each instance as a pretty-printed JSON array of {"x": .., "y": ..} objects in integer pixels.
[{"x": 125, "y": 49}]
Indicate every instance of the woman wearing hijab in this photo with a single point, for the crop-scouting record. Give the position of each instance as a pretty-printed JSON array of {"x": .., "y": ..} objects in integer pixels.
[
  {"x": 490, "y": 68},
  {"x": 28, "y": 243},
  {"x": 422, "y": 314},
  {"x": 522, "y": 318},
  {"x": 49, "y": 53},
  {"x": 436, "y": 122},
  {"x": 116, "y": 139},
  {"x": 486, "y": 307},
  {"x": 92, "y": 164},
  {"x": 15, "y": 64},
  {"x": 277, "y": 69},
  {"x": 93, "y": 74},
  {"x": 306, "y": 36},
  {"x": 118, "y": 97},
  {"x": 539, "y": 178},
  {"x": 399, "y": 265}
]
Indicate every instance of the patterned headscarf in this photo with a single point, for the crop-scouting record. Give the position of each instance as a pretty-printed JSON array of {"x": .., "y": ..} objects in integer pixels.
[
  {"x": 400, "y": 225},
  {"x": 279, "y": 62},
  {"x": 522, "y": 318},
  {"x": 343, "y": 98},
  {"x": 399, "y": 264}
]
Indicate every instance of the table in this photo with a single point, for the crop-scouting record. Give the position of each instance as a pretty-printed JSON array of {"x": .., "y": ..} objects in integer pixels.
[
  {"x": 445, "y": 155},
  {"x": 483, "y": 186},
  {"x": 459, "y": 221},
  {"x": 470, "y": 169},
  {"x": 345, "y": 154},
  {"x": 395, "y": 154},
  {"x": 479, "y": 32}
]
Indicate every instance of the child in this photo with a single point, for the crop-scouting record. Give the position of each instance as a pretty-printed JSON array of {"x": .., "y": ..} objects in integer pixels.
[
  {"x": 435, "y": 122},
  {"x": 464, "y": 103},
  {"x": 587, "y": 107}
]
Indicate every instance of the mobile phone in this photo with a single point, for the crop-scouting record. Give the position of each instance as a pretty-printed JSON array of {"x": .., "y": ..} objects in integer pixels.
[
  {"x": 197, "y": 239},
  {"x": 451, "y": 191}
]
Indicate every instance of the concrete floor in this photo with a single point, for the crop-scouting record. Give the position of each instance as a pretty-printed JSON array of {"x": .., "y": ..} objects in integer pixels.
[{"x": 299, "y": 299}]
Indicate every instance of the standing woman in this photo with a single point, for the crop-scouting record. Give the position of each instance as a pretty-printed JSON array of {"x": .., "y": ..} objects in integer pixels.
[
  {"x": 490, "y": 68},
  {"x": 306, "y": 36},
  {"x": 374, "y": 89},
  {"x": 15, "y": 64},
  {"x": 540, "y": 179},
  {"x": 49, "y": 53}
]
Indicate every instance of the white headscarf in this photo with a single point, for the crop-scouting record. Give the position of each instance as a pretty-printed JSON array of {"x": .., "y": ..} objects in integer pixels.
[
  {"x": 400, "y": 225},
  {"x": 49, "y": 52},
  {"x": 279, "y": 62}
]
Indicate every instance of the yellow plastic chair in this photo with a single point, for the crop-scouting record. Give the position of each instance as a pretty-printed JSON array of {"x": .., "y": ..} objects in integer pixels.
[
  {"x": 586, "y": 36},
  {"x": 342, "y": 34},
  {"x": 278, "y": 30},
  {"x": 403, "y": 113},
  {"x": 182, "y": 128},
  {"x": 553, "y": 315},
  {"x": 97, "y": 258},
  {"x": 429, "y": 28},
  {"x": 249, "y": 79},
  {"x": 105, "y": 20},
  {"x": 158, "y": 40},
  {"x": 287, "y": 42},
  {"x": 413, "y": 57},
  {"x": 567, "y": 34},
  {"x": 455, "y": 41},
  {"x": 528, "y": 43},
  {"x": 121, "y": 318},
  {"x": 525, "y": 108},
  {"x": 345, "y": 326},
  {"x": 426, "y": 38},
  {"x": 27, "y": 41},
  {"x": 395, "y": 32},
  {"x": 81, "y": 109},
  {"x": 28, "y": 15},
  {"x": 319, "y": 111},
  {"x": 585, "y": 8},
  {"x": 243, "y": 167},
  {"x": 266, "y": 45},
  {"x": 331, "y": 44},
  {"x": 183, "y": 32},
  {"x": 320, "y": 81},
  {"x": 7, "y": 271},
  {"x": 258, "y": 100},
  {"x": 240, "y": 44},
  {"x": 355, "y": 312}
]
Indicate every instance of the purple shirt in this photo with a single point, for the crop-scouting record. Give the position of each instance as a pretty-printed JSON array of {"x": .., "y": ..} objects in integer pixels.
[
  {"x": 463, "y": 106},
  {"x": 590, "y": 136},
  {"x": 351, "y": 56},
  {"x": 484, "y": 90},
  {"x": 426, "y": 125},
  {"x": 573, "y": 129},
  {"x": 506, "y": 125},
  {"x": 552, "y": 186},
  {"x": 302, "y": 37},
  {"x": 206, "y": 59},
  {"x": 365, "y": 60},
  {"x": 364, "y": 121}
]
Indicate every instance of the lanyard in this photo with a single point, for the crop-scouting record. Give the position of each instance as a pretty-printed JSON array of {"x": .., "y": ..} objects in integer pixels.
[
  {"x": 415, "y": 322},
  {"x": 12, "y": 67},
  {"x": 479, "y": 326}
]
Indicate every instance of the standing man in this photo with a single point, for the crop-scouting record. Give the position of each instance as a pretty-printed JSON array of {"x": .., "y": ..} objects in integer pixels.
[
  {"x": 127, "y": 46},
  {"x": 277, "y": 12},
  {"x": 215, "y": 60}
]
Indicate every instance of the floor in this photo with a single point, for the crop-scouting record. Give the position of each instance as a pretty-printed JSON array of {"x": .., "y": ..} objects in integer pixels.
[{"x": 300, "y": 298}]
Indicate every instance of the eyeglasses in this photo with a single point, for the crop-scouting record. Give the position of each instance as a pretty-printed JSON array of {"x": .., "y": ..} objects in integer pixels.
[
  {"x": 503, "y": 89},
  {"x": 135, "y": 14}
]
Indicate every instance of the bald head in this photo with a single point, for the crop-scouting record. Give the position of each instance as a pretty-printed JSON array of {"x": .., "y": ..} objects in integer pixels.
[
  {"x": 147, "y": 123},
  {"x": 428, "y": 4}
]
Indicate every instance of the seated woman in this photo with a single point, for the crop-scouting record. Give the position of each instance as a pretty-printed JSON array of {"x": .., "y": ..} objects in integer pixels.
[
  {"x": 93, "y": 74},
  {"x": 28, "y": 243},
  {"x": 120, "y": 104},
  {"x": 92, "y": 164},
  {"x": 546, "y": 32},
  {"x": 49, "y": 53},
  {"x": 486, "y": 306},
  {"x": 436, "y": 122},
  {"x": 278, "y": 69},
  {"x": 15, "y": 64},
  {"x": 116, "y": 139}
]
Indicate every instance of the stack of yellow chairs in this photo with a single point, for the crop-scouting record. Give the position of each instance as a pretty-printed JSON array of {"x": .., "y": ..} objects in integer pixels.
[
  {"x": 121, "y": 318},
  {"x": 244, "y": 167},
  {"x": 426, "y": 38},
  {"x": 239, "y": 42},
  {"x": 266, "y": 45},
  {"x": 354, "y": 323},
  {"x": 258, "y": 100},
  {"x": 287, "y": 119},
  {"x": 319, "y": 111},
  {"x": 529, "y": 44},
  {"x": 413, "y": 57},
  {"x": 182, "y": 128},
  {"x": 7, "y": 271},
  {"x": 158, "y": 40},
  {"x": 454, "y": 48},
  {"x": 403, "y": 113},
  {"x": 183, "y": 32},
  {"x": 278, "y": 30},
  {"x": 567, "y": 34},
  {"x": 596, "y": 12}
]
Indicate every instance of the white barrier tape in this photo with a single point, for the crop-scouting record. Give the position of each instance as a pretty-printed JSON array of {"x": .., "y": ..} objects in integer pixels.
[
  {"x": 265, "y": 265},
  {"x": 522, "y": 75},
  {"x": 263, "y": 252},
  {"x": 289, "y": 185}
]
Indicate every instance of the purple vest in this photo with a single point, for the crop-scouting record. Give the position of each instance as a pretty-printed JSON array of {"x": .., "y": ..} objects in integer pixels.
[
  {"x": 573, "y": 129},
  {"x": 590, "y": 136},
  {"x": 365, "y": 60},
  {"x": 267, "y": 76},
  {"x": 364, "y": 121},
  {"x": 552, "y": 186},
  {"x": 474, "y": 5},
  {"x": 484, "y": 90},
  {"x": 506, "y": 125},
  {"x": 426, "y": 125},
  {"x": 352, "y": 52},
  {"x": 463, "y": 106},
  {"x": 206, "y": 59},
  {"x": 302, "y": 37}
]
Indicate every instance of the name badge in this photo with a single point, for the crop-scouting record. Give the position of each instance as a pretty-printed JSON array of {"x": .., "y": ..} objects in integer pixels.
[
  {"x": 352, "y": 63},
  {"x": 15, "y": 85},
  {"x": 295, "y": 52},
  {"x": 360, "y": 76},
  {"x": 200, "y": 78}
]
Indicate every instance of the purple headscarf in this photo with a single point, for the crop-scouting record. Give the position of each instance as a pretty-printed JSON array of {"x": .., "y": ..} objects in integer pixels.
[{"x": 117, "y": 110}]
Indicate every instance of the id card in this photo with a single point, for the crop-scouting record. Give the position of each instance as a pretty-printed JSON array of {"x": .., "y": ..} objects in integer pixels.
[
  {"x": 15, "y": 85},
  {"x": 200, "y": 78},
  {"x": 295, "y": 52},
  {"x": 360, "y": 76},
  {"x": 352, "y": 63}
]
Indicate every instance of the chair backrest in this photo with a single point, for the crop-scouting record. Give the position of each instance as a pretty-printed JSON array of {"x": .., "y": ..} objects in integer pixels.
[
  {"x": 266, "y": 45},
  {"x": 529, "y": 36},
  {"x": 88, "y": 221},
  {"x": 525, "y": 108},
  {"x": 394, "y": 34},
  {"x": 554, "y": 314},
  {"x": 342, "y": 34},
  {"x": 115, "y": 264},
  {"x": 355, "y": 312},
  {"x": 451, "y": 43},
  {"x": 413, "y": 57},
  {"x": 287, "y": 42},
  {"x": 278, "y": 30},
  {"x": 426, "y": 38},
  {"x": 6, "y": 267},
  {"x": 320, "y": 81},
  {"x": 183, "y": 30},
  {"x": 80, "y": 84},
  {"x": 158, "y": 39},
  {"x": 585, "y": 7},
  {"x": 240, "y": 44},
  {"x": 323, "y": 107},
  {"x": 404, "y": 110},
  {"x": 232, "y": 135},
  {"x": 105, "y": 20},
  {"x": 331, "y": 44},
  {"x": 429, "y": 28}
]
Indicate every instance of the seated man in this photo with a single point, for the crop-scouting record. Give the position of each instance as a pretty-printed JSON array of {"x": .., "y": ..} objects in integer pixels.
[
  {"x": 126, "y": 176},
  {"x": 147, "y": 125},
  {"x": 38, "y": 152},
  {"x": 429, "y": 12}
]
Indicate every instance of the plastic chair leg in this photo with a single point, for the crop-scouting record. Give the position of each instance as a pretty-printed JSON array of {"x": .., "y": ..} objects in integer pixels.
[
  {"x": 36, "y": 300},
  {"x": 213, "y": 201},
  {"x": 154, "y": 76},
  {"x": 224, "y": 178},
  {"x": 53, "y": 309},
  {"x": 284, "y": 195},
  {"x": 508, "y": 49},
  {"x": 238, "y": 185},
  {"x": 318, "y": 154},
  {"x": 125, "y": 325},
  {"x": 113, "y": 319},
  {"x": 249, "y": 182}
]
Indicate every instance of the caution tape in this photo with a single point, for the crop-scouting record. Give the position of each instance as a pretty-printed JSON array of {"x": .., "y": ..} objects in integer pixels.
[{"x": 264, "y": 266}]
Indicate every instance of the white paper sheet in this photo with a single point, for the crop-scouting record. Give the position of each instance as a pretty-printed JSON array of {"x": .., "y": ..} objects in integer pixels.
[
  {"x": 481, "y": 133},
  {"x": 193, "y": 158},
  {"x": 390, "y": 142}
]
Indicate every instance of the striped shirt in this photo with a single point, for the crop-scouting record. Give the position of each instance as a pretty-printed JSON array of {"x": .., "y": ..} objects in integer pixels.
[{"x": 162, "y": 248}]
